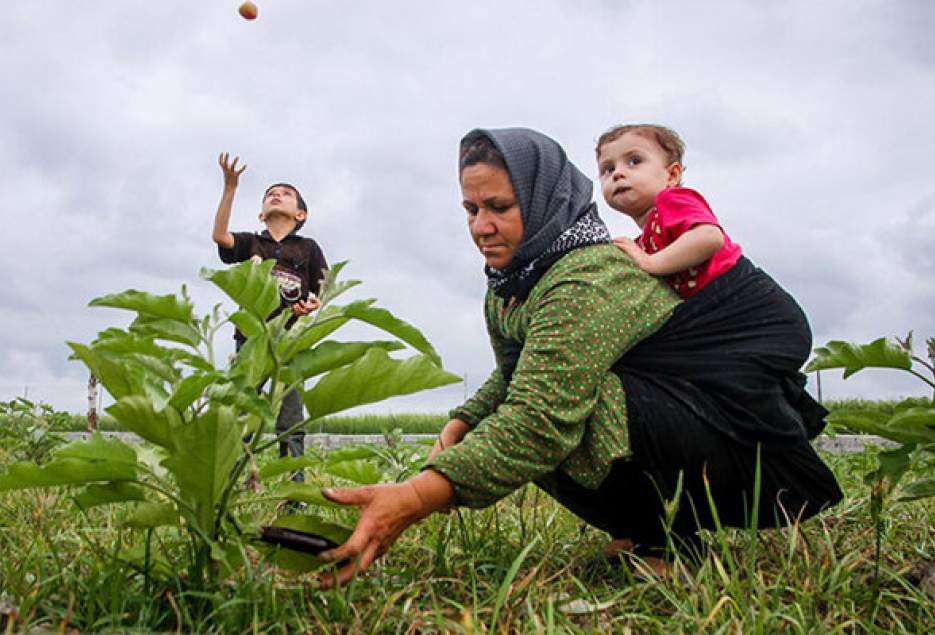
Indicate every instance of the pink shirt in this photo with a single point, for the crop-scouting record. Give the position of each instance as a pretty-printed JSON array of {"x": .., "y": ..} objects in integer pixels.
[{"x": 677, "y": 210}]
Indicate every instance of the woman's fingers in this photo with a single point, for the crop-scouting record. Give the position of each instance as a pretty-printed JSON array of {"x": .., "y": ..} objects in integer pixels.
[
  {"x": 339, "y": 577},
  {"x": 386, "y": 511},
  {"x": 350, "y": 550},
  {"x": 348, "y": 495},
  {"x": 358, "y": 563},
  {"x": 371, "y": 553}
]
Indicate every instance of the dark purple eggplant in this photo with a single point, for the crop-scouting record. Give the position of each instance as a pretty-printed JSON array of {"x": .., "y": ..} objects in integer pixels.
[{"x": 296, "y": 540}]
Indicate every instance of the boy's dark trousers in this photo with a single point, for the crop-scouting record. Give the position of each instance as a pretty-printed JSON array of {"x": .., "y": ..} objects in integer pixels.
[{"x": 290, "y": 413}]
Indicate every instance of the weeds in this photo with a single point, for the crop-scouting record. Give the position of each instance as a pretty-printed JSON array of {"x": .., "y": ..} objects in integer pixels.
[{"x": 478, "y": 572}]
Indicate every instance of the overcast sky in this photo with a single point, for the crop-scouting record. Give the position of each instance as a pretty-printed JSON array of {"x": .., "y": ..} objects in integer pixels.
[{"x": 809, "y": 129}]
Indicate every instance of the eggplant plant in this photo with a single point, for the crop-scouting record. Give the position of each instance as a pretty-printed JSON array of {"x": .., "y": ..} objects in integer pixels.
[
  {"x": 910, "y": 428},
  {"x": 30, "y": 431},
  {"x": 205, "y": 421}
]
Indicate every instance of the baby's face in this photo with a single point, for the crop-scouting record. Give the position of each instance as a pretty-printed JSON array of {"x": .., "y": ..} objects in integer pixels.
[{"x": 633, "y": 169}]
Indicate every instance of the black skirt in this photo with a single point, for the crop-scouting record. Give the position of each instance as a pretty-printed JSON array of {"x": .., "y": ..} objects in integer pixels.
[{"x": 713, "y": 396}]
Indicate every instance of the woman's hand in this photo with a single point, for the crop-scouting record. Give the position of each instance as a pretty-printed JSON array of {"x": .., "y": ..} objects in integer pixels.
[
  {"x": 231, "y": 173},
  {"x": 385, "y": 512},
  {"x": 450, "y": 435}
]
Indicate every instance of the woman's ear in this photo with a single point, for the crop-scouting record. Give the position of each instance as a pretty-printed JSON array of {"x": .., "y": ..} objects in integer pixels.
[
  {"x": 674, "y": 172},
  {"x": 301, "y": 215}
]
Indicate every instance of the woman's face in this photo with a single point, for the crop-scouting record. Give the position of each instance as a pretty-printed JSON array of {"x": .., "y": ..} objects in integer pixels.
[{"x": 493, "y": 212}]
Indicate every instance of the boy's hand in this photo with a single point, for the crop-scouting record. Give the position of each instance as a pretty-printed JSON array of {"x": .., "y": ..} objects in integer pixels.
[
  {"x": 631, "y": 249},
  {"x": 304, "y": 307},
  {"x": 229, "y": 168}
]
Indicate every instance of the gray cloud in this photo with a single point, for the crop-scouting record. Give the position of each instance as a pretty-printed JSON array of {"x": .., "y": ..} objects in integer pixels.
[{"x": 808, "y": 128}]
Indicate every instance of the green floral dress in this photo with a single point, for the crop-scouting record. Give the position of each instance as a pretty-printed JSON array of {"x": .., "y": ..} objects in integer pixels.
[{"x": 563, "y": 408}]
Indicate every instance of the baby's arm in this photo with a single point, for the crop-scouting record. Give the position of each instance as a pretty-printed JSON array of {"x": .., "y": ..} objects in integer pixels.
[
  {"x": 688, "y": 250},
  {"x": 221, "y": 234}
]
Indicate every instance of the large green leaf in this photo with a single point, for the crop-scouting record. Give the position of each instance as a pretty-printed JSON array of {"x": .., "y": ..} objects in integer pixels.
[
  {"x": 910, "y": 425},
  {"x": 117, "y": 379},
  {"x": 253, "y": 361},
  {"x": 373, "y": 377},
  {"x": 866, "y": 422},
  {"x": 159, "y": 371},
  {"x": 383, "y": 319},
  {"x": 855, "y": 357},
  {"x": 359, "y": 471},
  {"x": 330, "y": 355},
  {"x": 296, "y": 560},
  {"x": 285, "y": 465},
  {"x": 309, "y": 330},
  {"x": 894, "y": 463},
  {"x": 351, "y": 453},
  {"x": 917, "y": 424},
  {"x": 191, "y": 388},
  {"x": 250, "y": 285},
  {"x": 98, "y": 448},
  {"x": 303, "y": 492},
  {"x": 204, "y": 454},
  {"x": 167, "y": 329},
  {"x": 331, "y": 288},
  {"x": 157, "y": 306},
  {"x": 247, "y": 323},
  {"x": 137, "y": 414},
  {"x": 108, "y": 493},
  {"x": 922, "y": 488},
  {"x": 194, "y": 361},
  {"x": 150, "y": 515},
  {"x": 242, "y": 397},
  {"x": 94, "y": 460},
  {"x": 118, "y": 342}
]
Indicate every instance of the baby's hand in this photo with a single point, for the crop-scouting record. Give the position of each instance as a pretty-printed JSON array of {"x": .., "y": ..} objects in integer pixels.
[
  {"x": 229, "y": 168},
  {"x": 634, "y": 251}
]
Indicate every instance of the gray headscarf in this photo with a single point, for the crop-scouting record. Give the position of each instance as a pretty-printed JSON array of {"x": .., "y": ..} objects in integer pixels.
[{"x": 555, "y": 203}]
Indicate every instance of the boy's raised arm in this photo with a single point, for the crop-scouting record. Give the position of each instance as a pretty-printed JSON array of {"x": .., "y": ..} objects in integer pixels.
[{"x": 221, "y": 234}]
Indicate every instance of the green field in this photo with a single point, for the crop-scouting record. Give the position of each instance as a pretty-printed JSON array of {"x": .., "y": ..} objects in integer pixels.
[
  {"x": 430, "y": 423},
  {"x": 525, "y": 565}
]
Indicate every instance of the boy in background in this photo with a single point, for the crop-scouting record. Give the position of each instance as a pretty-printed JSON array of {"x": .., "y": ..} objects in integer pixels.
[{"x": 299, "y": 269}]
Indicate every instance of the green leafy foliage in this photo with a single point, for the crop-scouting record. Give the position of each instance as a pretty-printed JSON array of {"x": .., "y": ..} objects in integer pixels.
[
  {"x": 91, "y": 461},
  {"x": 852, "y": 358},
  {"x": 203, "y": 424},
  {"x": 31, "y": 431},
  {"x": 108, "y": 493},
  {"x": 373, "y": 377},
  {"x": 911, "y": 427}
]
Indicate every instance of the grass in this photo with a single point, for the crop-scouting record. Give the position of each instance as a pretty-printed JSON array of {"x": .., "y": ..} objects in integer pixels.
[{"x": 510, "y": 568}]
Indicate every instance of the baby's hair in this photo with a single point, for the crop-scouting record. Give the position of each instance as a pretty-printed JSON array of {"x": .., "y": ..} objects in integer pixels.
[
  {"x": 300, "y": 202},
  {"x": 666, "y": 138},
  {"x": 480, "y": 149}
]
